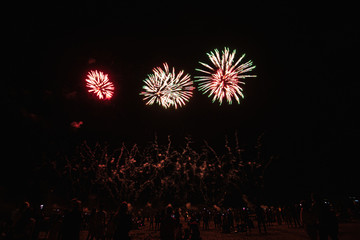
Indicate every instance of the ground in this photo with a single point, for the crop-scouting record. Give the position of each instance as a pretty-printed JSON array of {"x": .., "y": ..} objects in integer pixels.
[{"x": 347, "y": 231}]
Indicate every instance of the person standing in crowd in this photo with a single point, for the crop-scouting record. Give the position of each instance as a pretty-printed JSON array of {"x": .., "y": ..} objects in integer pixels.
[
  {"x": 157, "y": 220},
  {"x": 151, "y": 222},
  {"x": 72, "y": 222},
  {"x": 186, "y": 234},
  {"x": 225, "y": 223},
  {"x": 178, "y": 230},
  {"x": 100, "y": 219},
  {"x": 328, "y": 224},
  {"x": 217, "y": 220},
  {"x": 168, "y": 225},
  {"x": 110, "y": 226},
  {"x": 309, "y": 219},
  {"x": 294, "y": 215},
  {"x": 91, "y": 225},
  {"x": 230, "y": 216},
  {"x": 206, "y": 220},
  {"x": 194, "y": 229},
  {"x": 278, "y": 215},
  {"x": 260, "y": 217},
  {"x": 23, "y": 223},
  {"x": 122, "y": 223}
]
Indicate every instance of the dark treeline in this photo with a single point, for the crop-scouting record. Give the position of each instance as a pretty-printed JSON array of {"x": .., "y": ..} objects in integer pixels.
[{"x": 161, "y": 173}]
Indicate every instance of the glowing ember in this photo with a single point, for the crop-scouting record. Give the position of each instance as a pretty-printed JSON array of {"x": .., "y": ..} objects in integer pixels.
[
  {"x": 99, "y": 83},
  {"x": 222, "y": 80},
  {"x": 166, "y": 88}
]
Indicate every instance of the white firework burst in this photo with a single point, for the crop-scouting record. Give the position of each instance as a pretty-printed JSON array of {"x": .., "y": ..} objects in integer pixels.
[
  {"x": 166, "y": 88},
  {"x": 223, "y": 78}
]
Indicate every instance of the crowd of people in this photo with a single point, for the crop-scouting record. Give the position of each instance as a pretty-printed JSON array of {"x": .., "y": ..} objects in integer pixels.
[
  {"x": 161, "y": 174},
  {"x": 316, "y": 217},
  {"x": 28, "y": 223}
]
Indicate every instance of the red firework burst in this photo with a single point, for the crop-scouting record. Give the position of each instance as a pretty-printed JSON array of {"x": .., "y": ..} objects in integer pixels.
[
  {"x": 222, "y": 81},
  {"x": 99, "y": 83}
]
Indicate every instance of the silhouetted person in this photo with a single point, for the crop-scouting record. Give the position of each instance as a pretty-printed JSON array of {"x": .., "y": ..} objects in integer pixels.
[
  {"x": 237, "y": 218},
  {"x": 225, "y": 224},
  {"x": 206, "y": 221},
  {"x": 92, "y": 225},
  {"x": 278, "y": 215},
  {"x": 22, "y": 222},
  {"x": 217, "y": 220},
  {"x": 178, "y": 230},
  {"x": 100, "y": 223},
  {"x": 260, "y": 217},
  {"x": 151, "y": 224},
  {"x": 110, "y": 228},
  {"x": 288, "y": 216},
  {"x": 309, "y": 219},
  {"x": 157, "y": 221},
  {"x": 294, "y": 211},
  {"x": 194, "y": 229},
  {"x": 122, "y": 223},
  {"x": 328, "y": 224},
  {"x": 177, "y": 216},
  {"x": 186, "y": 234},
  {"x": 72, "y": 222},
  {"x": 230, "y": 216},
  {"x": 168, "y": 225},
  {"x": 247, "y": 221}
]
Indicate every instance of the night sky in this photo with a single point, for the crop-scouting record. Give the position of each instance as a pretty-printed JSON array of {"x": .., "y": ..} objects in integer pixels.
[{"x": 304, "y": 100}]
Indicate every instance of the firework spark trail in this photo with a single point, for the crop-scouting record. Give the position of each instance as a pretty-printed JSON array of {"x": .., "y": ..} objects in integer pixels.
[
  {"x": 222, "y": 80},
  {"x": 99, "y": 83},
  {"x": 167, "y": 88}
]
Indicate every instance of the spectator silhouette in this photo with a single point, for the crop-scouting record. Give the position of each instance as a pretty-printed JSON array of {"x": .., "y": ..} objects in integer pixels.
[
  {"x": 151, "y": 223},
  {"x": 230, "y": 216},
  {"x": 186, "y": 234},
  {"x": 328, "y": 224},
  {"x": 194, "y": 229},
  {"x": 260, "y": 217},
  {"x": 225, "y": 224},
  {"x": 110, "y": 228},
  {"x": 294, "y": 211},
  {"x": 72, "y": 222},
  {"x": 91, "y": 225},
  {"x": 157, "y": 221},
  {"x": 217, "y": 220},
  {"x": 278, "y": 215},
  {"x": 309, "y": 219},
  {"x": 247, "y": 221},
  {"x": 206, "y": 220},
  {"x": 100, "y": 223},
  {"x": 122, "y": 222},
  {"x": 23, "y": 223},
  {"x": 178, "y": 230},
  {"x": 168, "y": 225}
]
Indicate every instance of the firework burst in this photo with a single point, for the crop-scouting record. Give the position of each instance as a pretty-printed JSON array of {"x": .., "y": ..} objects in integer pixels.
[
  {"x": 99, "y": 83},
  {"x": 222, "y": 80},
  {"x": 166, "y": 88}
]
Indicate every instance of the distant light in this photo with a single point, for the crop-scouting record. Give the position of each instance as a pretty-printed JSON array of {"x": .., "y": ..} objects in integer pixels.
[{"x": 75, "y": 124}]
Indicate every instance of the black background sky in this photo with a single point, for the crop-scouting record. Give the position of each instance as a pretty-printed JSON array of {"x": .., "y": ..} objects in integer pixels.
[{"x": 304, "y": 100}]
